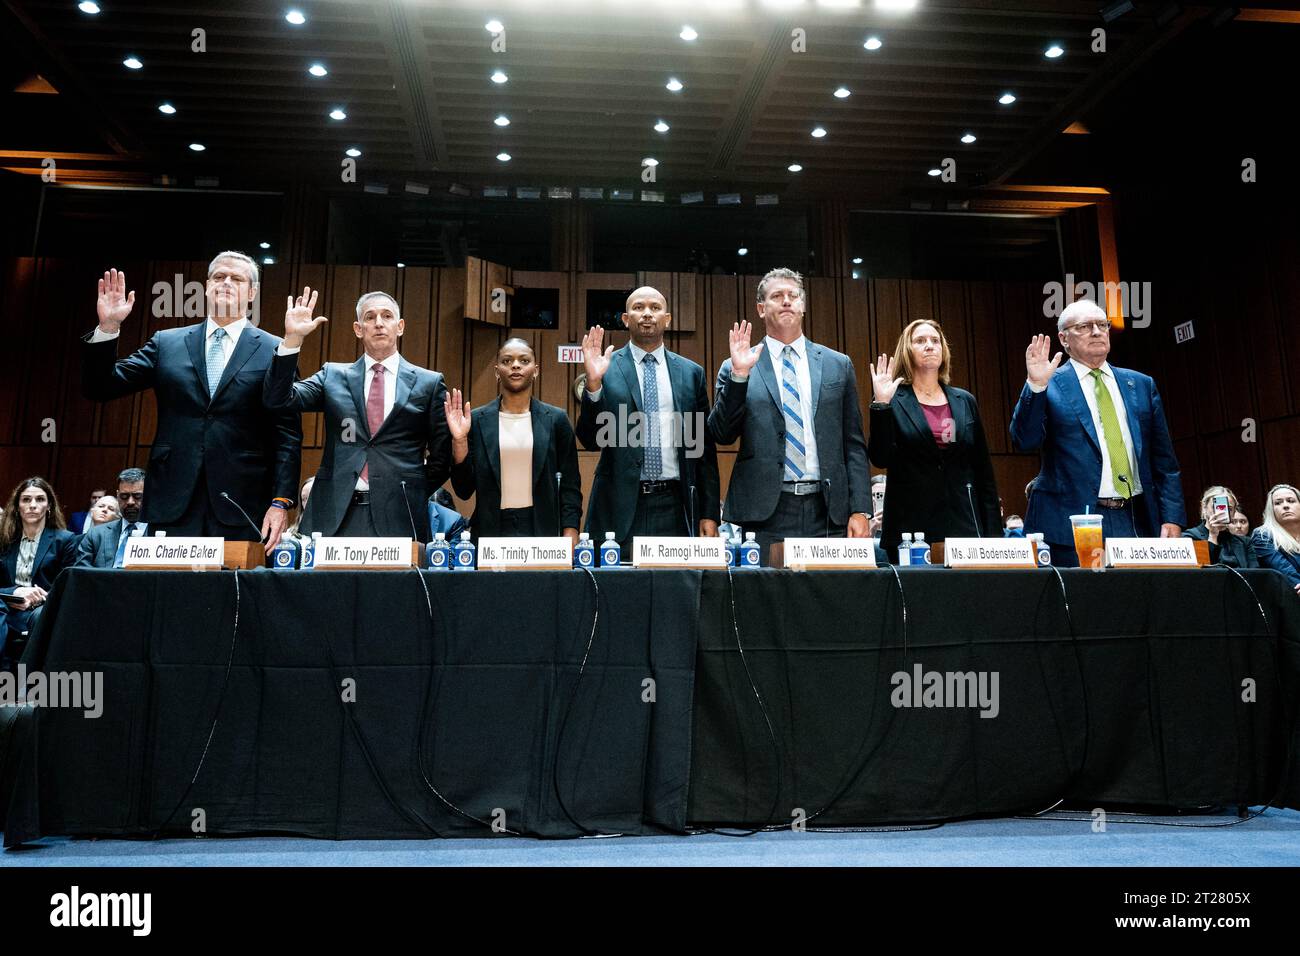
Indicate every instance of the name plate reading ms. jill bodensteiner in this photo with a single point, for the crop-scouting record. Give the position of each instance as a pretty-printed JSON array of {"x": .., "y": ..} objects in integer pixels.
[
  {"x": 539, "y": 554},
  {"x": 660, "y": 552},
  {"x": 989, "y": 553},
  {"x": 1151, "y": 553},
  {"x": 812, "y": 554},
  {"x": 366, "y": 553},
  {"x": 181, "y": 553}
]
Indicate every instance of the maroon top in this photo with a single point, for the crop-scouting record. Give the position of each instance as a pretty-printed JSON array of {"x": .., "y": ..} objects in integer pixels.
[{"x": 939, "y": 418}]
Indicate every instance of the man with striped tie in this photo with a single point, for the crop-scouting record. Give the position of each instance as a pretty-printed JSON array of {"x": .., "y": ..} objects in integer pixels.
[{"x": 802, "y": 466}]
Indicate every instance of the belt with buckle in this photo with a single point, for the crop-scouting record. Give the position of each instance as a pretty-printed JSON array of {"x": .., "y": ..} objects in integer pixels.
[
  {"x": 361, "y": 497},
  {"x": 655, "y": 487},
  {"x": 801, "y": 487},
  {"x": 1113, "y": 504}
]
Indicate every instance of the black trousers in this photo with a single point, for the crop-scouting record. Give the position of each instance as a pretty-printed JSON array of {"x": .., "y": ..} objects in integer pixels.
[
  {"x": 796, "y": 516},
  {"x": 200, "y": 520},
  {"x": 356, "y": 522},
  {"x": 658, "y": 513},
  {"x": 518, "y": 523}
]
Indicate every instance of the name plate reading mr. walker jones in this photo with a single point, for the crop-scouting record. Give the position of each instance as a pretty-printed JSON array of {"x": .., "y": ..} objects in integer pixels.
[
  {"x": 539, "y": 554},
  {"x": 187, "y": 553},
  {"x": 989, "y": 553},
  {"x": 660, "y": 552},
  {"x": 1151, "y": 553},
  {"x": 366, "y": 553},
  {"x": 812, "y": 554}
]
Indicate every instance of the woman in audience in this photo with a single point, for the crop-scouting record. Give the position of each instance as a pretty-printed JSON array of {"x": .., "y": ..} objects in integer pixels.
[
  {"x": 1277, "y": 539},
  {"x": 106, "y": 509},
  {"x": 1225, "y": 547},
  {"x": 35, "y": 546},
  {"x": 1240, "y": 524}
]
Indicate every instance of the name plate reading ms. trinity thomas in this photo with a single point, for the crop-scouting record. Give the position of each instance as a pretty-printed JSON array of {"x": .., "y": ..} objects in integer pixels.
[
  {"x": 366, "y": 553},
  {"x": 542, "y": 554},
  {"x": 812, "y": 554},
  {"x": 185, "y": 554},
  {"x": 1151, "y": 553},
  {"x": 989, "y": 553},
  {"x": 660, "y": 552}
]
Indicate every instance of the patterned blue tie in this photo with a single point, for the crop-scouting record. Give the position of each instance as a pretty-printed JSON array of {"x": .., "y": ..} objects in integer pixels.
[
  {"x": 654, "y": 454},
  {"x": 795, "y": 465},
  {"x": 121, "y": 544},
  {"x": 216, "y": 360}
]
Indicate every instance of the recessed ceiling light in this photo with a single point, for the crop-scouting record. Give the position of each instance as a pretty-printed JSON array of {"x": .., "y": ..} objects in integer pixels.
[
  {"x": 353, "y": 152},
  {"x": 661, "y": 127},
  {"x": 1053, "y": 51},
  {"x": 494, "y": 26},
  {"x": 674, "y": 84},
  {"x": 267, "y": 261},
  {"x": 499, "y": 77},
  {"x": 968, "y": 138},
  {"x": 338, "y": 114},
  {"x": 401, "y": 265},
  {"x": 742, "y": 251},
  {"x": 317, "y": 69},
  {"x": 795, "y": 168},
  {"x": 872, "y": 43},
  {"x": 502, "y": 120},
  {"x": 649, "y": 161},
  {"x": 265, "y": 245},
  {"x": 132, "y": 63},
  {"x": 504, "y": 157},
  {"x": 86, "y": 6},
  {"x": 166, "y": 108},
  {"x": 935, "y": 172},
  {"x": 818, "y": 132},
  {"x": 688, "y": 34},
  {"x": 296, "y": 17},
  {"x": 1006, "y": 99},
  {"x": 843, "y": 93},
  {"x": 857, "y": 261},
  {"x": 197, "y": 147}
]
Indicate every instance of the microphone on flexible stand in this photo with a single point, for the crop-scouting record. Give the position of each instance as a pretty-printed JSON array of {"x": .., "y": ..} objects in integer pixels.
[
  {"x": 973, "y": 513},
  {"x": 260, "y": 537},
  {"x": 409, "y": 513},
  {"x": 1131, "y": 523},
  {"x": 826, "y": 531},
  {"x": 559, "y": 514}
]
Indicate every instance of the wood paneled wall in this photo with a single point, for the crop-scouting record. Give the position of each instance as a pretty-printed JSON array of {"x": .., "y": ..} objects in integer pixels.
[{"x": 46, "y": 305}]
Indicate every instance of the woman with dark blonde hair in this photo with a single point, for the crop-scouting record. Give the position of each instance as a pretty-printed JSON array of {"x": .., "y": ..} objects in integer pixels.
[
  {"x": 927, "y": 434},
  {"x": 35, "y": 546},
  {"x": 1225, "y": 547},
  {"x": 1277, "y": 539}
]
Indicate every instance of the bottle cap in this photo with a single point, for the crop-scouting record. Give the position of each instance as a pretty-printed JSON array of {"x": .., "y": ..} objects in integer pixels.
[
  {"x": 440, "y": 536},
  {"x": 609, "y": 536},
  {"x": 907, "y": 536},
  {"x": 749, "y": 536},
  {"x": 920, "y": 536},
  {"x": 583, "y": 536},
  {"x": 464, "y": 536}
]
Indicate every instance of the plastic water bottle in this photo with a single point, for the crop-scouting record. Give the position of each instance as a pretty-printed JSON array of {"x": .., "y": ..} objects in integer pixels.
[
  {"x": 285, "y": 555},
  {"x": 464, "y": 553},
  {"x": 905, "y": 550},
  {"x": 750, "y": 553},
  {"x": 1043, "y": 552},
  {"x": 309, "y": 552},
  {"x": 731, "y": 552},
  {"x": 584, "y": 552},
  {"x": 610, "y": 553},
  {"x": 920, "y": 550},
  {"x": 438, "y": 553}
]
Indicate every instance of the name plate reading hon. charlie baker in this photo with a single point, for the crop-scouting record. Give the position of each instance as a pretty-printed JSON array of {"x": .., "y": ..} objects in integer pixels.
[
  {"x": 659, "y": 552},
  {"x": 539, "y": 554},
  {"x": 812, "y": 554},
  {"x": 366, "y": 553},
  {"x": 184, "y": 553},
  {"x": 989, "y": 553},
  {"x": 1151, "y": 553}
]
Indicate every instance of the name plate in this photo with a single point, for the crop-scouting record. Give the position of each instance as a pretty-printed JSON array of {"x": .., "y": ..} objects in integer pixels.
[
  {"x": 147, "y": 552},
  {"x": 989, "y": 553},
  {"x": 661, "y": 552},
  {"x": 542, "y": 554},
  {"x": 366, "y": 553},
  {"x": 1151, "y": 553},
  {"x": 811, "y": 554}
]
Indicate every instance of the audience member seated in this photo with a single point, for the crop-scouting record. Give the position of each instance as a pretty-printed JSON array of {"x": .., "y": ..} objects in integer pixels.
[
  {"x": 1240, "y": 524},
  {"x": 303, "y": 494},
  {"x": 1277, "y": 539},
  {"x": 443, "y": 515},
  {"x": 80, "y": 521},
  {"x": 1014, "y": 527},
  {"x": 1225, "y": 547},
  {"x": 103, "y": 545},
  {"x": 877, "y": 505},
  {"x": 35, "y": 547},
  {"x": 106, "y": 509}
]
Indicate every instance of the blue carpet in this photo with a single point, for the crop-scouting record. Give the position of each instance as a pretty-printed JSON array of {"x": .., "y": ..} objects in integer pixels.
[{"x": 1272, "y": 839}]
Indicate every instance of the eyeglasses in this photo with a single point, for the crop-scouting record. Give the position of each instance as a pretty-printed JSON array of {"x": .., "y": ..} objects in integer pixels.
[
  {"x": 1088, "y": 328},
  {"x": 238, "y": 278}
]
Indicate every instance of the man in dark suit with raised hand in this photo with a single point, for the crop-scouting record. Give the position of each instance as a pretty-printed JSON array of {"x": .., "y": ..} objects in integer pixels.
[
  {"x": 219, "y": 454},
  {"x": 383, "y": 417},
  {"x": 802, "y": 466},
  {"x": 645, "y": 408}
]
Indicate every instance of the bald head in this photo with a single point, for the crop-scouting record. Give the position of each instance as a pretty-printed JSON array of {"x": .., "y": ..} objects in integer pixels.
[{"x": 647, "y": 317}]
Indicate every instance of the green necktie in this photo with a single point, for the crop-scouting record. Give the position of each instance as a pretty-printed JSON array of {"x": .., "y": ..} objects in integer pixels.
[{"x": 1112, "y": 435}]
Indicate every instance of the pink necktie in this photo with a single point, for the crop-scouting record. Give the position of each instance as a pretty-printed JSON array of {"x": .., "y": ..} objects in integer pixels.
[{"x": 374, "y": 409}]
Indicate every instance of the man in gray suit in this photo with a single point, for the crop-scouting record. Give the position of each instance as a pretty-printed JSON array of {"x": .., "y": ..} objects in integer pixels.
[
  {"x": 102, "y": 545},
  {"x": 802, "y": 467},
  {"x": 383, "y": 417}
]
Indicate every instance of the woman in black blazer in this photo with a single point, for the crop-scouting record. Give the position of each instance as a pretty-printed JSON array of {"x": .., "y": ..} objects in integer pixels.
[
  {"x": 28, "y": 570},
  {"x": 509, "y": 452},
  {"x": 928, "y": 435}
]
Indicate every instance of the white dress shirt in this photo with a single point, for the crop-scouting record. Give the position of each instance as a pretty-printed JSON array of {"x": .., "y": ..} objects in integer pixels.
[
  {"x": 774, "y": 348},
  {"x": 391, "y": 366},
  {"x": 1106, "y": 487},
  {"x": 667, "y": 430}
]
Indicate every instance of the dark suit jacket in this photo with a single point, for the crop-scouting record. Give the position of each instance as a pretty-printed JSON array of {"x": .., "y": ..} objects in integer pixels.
[
  {"x": 554, "y": 450},
  {"x": 927, "y": 483},
  {"x": 1056, "y": 423},
  {"x": 98, "y": 546},
  {"x": 751, "y": 411},
  {"x": 246, "y": 450},
  {"x": 1231, "y": 550},
  {"x": 616, "y": 487},
  {"x": 416, "y": 427},
  {"x": 55, "y": 550}
]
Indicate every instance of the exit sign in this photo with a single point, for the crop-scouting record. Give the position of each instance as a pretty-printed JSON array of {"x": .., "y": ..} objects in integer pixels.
[
  {"x": 1184, "y": 333},
  {"x": 571, "y": 355}
]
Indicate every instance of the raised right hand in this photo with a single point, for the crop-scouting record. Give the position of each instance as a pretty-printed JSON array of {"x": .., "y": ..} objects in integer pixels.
[
  {"x": 457, "y": 412},
  {"x": 595, "y": 361},
  {"x": 114, "y": 303},
  {"x": 298, "y": 323},
  {"x": 743, "y": 357},
  {"x": 883, "y": 382},
  {"x": 1038, "y": 370}
]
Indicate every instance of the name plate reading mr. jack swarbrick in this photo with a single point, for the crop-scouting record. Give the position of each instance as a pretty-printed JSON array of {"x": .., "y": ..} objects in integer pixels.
[
  {"x": 541, "y": 554},
  {"x": 366, "y": 553},
  {"x": 989, "y": 553},
  {"x": 182, "y": 553},
  {"x": 1151, "y": 553},
  {"x": 812, "y": 554},
  {"x": 661, "y": 552}
]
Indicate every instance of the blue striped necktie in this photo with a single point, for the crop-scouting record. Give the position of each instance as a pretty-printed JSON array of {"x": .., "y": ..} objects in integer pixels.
[
  {"x": 216, "y": 360},
  {"x": 791, "y": 408},
  {"x": 654, "y": 453}
]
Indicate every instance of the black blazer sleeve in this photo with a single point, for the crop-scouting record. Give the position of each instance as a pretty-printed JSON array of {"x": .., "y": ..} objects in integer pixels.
[
  {"x": 986, "y": 485},
  {"x": 103, "y": 378},
  {"x": 566, "y": 456},
  {"x": 727, "y": 419},
  {"x": 708, "y": 505},
  {"x": 855, "y": 447},
  {"x": 438, "y": 464},
  {"x": 280, "y": 391},
  {"x": 881, "y": 445},
  {"x": 462, "y": 473},
  {"x": 588, "y": 410}
]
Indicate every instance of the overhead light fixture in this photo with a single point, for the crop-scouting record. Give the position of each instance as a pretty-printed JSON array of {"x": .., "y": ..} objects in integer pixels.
[
  {"x": 1113, "y": 11},
  {"x": 502, "y": 120},
  {"x": 197, "y": 147},
  {"x": 1053, "y": 51},
  {"x": 652, "y": 195},
  {"x": 742, "y": 251},
  {"x": 674, "y": 85},
  {"x": 499, "y": 77},
  {"x": 795, "y": 168},
  {"x": 857, "y": 260},
  {"x": 268, "y": 261},
  {"x": 650, "y": 161},
  {"x": 767, "y": 199},
  {"x": 688, "y": 34},
  {"x": 968, "y": 138},
  {"x": 728, "y": 199},
  {"x": 353, "y": 152},
  {"x": 661, "y": 127},
  {"x": 317, "y": 69},
  {"x": 934, "y": 172},
  {"x": 420, "y": 189},
  {"x": 559, "y": 192},
  {"x": 872, "y": 43},
  {"x": 264, "y": 245},
  {"x": 818, "y": 132},
  {"x": 1006, "y": 99},
  {"x": 495, "y": 192},
  {"x": 503, "y": 157},
  {"x": 378, "y": 189},
  {"x": 296, "y": 17},
  {"x": 591, "y": 192},
  {"x": 689, "y": 198},
  {"x": 166, "y": 108},
  {"x": 456, "y": 189},
  {"x": 842, "y": 93},
  {"x": 338, "y": 114},
  {"x": 132, "y": 63},
  {"x": 401, "y": 265},
  {"x": 86, "y": 6},
  {"x": 494, "y": 27}
]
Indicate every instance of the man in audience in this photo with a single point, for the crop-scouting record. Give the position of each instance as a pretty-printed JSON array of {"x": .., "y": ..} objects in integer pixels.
[
  {"x": 106, "y": 509},
  {"x": 103, "y": 545},
  {"x": 1014, "y": 528},
  {"x": 444, "y": 517},
  {"x": 80, "y": 521}
]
